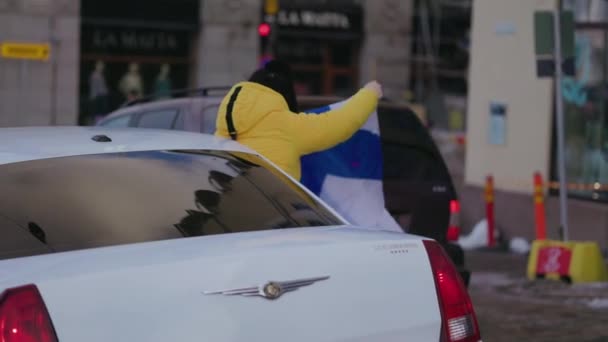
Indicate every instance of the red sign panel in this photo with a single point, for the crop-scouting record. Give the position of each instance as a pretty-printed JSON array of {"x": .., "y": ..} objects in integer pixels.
[{"x": 555, "y": 260}]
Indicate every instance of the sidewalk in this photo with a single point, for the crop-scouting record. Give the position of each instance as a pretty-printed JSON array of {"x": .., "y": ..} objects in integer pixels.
[{"x": 511, "y": 308}]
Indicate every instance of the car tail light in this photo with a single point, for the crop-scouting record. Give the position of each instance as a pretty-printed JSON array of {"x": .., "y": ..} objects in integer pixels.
[
  {"x": 454, "y": 227},
  {"x": 459, "y": 322},
  {"x": 24, "y": 317}
]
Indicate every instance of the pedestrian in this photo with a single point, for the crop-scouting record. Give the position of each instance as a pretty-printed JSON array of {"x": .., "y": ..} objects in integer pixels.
[{"x": 262, "y": 113}]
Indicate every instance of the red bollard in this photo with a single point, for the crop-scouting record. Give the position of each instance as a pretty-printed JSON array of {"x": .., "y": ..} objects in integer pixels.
[
  {"x": 454, "y": 228},
  {"x": 539, "y": 207},
  {"x": 490, "y": 209}
]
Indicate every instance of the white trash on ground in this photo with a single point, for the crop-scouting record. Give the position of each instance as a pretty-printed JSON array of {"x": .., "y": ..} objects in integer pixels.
[{"x": 478, "y": 238}]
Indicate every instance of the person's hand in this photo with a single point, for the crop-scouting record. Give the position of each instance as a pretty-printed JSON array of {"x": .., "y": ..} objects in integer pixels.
[{"x": 375, "y": 87}]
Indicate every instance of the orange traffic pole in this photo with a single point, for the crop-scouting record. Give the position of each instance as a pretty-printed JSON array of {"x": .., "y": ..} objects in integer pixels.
[
  {"x": 490, "y": 209},
  {"x": 539, "y": 207}
]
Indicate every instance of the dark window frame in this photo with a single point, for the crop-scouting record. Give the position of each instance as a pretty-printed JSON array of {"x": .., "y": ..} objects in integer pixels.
[{"x": 202, "y": 115}]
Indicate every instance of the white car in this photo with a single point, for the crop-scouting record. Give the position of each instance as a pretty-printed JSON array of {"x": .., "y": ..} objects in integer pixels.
[{"x": 145, "y": 235}]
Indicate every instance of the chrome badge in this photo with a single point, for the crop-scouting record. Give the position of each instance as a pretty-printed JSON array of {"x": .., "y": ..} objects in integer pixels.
[{"x": 271, "y": 290}]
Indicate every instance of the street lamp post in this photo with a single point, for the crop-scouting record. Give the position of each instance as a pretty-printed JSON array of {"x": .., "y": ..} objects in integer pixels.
[{"x": 559, "y": 107}]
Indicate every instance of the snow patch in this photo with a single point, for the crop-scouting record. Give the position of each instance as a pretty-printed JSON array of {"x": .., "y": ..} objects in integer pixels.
[
  {"x": 519, "y": 245},
  {"x": 598, "y": 303},
  {"x": 492, "y": 279},
  {"x": 592, "y": 286}
]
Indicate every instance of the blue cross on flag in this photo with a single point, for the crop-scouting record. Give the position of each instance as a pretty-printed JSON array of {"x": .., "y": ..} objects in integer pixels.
[{"x": 349, "y": 176}]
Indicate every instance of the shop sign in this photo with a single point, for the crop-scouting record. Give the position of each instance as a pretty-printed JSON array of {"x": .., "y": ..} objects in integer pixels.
[
  {"x": 325, "y": 20},
  {"x": 134, "y": 41},
  {"x": 317, "y": 19}
]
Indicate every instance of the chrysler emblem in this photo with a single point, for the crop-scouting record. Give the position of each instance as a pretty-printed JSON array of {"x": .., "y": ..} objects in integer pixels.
[{"x": 271, "y": 290}]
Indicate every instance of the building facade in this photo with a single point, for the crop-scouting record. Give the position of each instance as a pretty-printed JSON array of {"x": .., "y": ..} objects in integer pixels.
[
  {"x": 103, "y": 53},
  {"x": 511, "y": 120},
  {"x": 34, "y": 92}
]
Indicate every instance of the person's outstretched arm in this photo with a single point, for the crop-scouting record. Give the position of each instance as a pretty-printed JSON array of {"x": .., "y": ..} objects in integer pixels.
[{"x": 317, "y": 132}]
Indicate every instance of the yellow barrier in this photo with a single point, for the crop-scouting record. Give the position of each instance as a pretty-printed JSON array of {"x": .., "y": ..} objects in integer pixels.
[{"x": 576, "y": 262}]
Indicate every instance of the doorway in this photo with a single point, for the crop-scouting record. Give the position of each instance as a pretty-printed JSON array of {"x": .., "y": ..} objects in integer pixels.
[{"x": 321, "y": 67}]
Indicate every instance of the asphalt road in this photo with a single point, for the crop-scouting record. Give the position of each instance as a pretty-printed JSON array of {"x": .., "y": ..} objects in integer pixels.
[{"x": 511, "y": 308}]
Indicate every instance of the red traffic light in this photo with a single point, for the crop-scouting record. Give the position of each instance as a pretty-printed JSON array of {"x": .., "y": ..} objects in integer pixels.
[{"x": 264, "y": 29}]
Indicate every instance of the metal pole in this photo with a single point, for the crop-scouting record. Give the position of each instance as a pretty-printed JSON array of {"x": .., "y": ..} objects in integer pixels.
[{"x": 559, "y": 107}]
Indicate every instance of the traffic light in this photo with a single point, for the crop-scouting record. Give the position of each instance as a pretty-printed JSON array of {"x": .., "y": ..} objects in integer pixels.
[{"x": 265, "y": 31}]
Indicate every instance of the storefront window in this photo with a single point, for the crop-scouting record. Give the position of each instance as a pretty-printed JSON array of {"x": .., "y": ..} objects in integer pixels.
[
  {"x": 127, "y": 52},
  {"x": 308, "y": 82},
  {"x": 586, "y": 114},
  {"x": 586, "y": 11},
  {"x": 321, "y": 42},
  {"x": 107, "y": 82},
  {"x": 343, "y": 85}
]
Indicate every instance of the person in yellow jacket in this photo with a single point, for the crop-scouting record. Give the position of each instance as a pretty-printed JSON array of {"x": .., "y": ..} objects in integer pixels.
[{"x": 262, "y": 113}]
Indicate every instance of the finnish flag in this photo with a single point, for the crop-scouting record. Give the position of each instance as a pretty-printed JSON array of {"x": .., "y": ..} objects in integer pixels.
[{"x": 349, "y": 176}]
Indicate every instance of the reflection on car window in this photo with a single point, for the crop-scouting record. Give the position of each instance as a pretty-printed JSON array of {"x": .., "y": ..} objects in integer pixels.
[
  {"x": 209, "y": 115},
  {"x": 160, "y": 119},
  {"x": 79, "y": 202},
  {"x": 121, "y": 121}
]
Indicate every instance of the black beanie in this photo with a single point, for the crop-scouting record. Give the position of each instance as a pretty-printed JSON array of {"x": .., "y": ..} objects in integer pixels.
[{"x": 277, "y": 76}]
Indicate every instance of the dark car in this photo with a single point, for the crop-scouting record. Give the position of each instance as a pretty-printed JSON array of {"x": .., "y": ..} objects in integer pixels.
[{"x": 418, "y": 188}]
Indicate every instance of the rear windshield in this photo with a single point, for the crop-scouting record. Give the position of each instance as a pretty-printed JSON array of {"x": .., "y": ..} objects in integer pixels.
[{"x": 71, "y": 203}]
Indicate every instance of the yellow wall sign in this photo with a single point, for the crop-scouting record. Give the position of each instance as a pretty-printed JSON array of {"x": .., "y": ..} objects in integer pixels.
[{"x": 31, "y": 51}]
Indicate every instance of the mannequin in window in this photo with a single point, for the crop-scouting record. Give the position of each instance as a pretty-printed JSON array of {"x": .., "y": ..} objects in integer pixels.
[
  {"x": 131, "y": 84},
  {"x": 98, "y": 92},
  {"x": 162, "y": 86}
]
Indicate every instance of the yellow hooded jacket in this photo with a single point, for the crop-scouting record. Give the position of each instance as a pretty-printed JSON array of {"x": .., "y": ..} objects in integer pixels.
[{"x": 262, "y": 121}]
